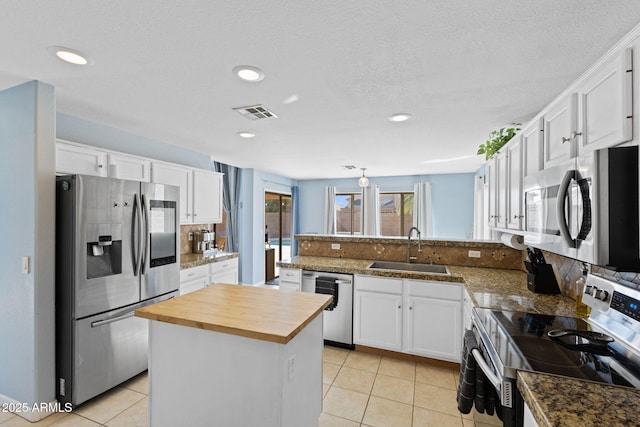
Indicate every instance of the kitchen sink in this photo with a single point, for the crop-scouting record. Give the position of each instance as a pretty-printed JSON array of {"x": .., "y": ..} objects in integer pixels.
[{"x": 405, "y": 266}]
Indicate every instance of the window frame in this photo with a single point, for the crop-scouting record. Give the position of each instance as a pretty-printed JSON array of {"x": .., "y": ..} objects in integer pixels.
[{"x": 402, "y": 213}]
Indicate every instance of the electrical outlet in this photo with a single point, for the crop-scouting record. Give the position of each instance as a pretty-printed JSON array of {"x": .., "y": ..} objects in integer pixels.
[
  {"x": 474, "y": 254},
  {"x": 292, "y": 366},
  {"x": 190, "y": 236},
  {"x": 335, "y": 246}
]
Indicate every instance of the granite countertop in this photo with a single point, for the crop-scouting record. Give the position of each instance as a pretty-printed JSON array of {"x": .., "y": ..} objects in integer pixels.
[
  {"x": 248, "y": 311},
  {"x": 194, "y": 260},
  {"x": 563, "y": 402},
  {"x": 488, "y": 287}
]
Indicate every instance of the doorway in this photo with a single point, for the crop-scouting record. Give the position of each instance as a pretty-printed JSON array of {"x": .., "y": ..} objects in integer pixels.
[{"x": 278, "y": 227}]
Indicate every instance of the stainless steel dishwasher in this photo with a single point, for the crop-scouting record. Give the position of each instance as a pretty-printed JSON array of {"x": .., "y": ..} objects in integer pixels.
[{"x": 338, "y": 317}]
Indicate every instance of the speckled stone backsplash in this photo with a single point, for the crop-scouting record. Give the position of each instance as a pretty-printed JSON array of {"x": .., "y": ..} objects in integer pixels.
[
  {"x": 185, "y": 243},
  {"x": 492, "y": 254}
]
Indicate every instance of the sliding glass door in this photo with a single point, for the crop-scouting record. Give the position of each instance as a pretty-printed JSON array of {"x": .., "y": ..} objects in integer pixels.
[{"x": 277, "y": 219}]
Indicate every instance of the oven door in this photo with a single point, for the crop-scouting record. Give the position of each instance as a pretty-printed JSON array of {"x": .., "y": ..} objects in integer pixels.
[{"x": 488, "y": 359}]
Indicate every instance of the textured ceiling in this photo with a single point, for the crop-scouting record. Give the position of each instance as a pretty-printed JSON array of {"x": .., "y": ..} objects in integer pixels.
[{"x": 462, "y": 68}]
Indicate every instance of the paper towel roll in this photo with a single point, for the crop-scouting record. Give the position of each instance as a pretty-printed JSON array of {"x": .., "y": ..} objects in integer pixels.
[{"x": 513, "y": 241}]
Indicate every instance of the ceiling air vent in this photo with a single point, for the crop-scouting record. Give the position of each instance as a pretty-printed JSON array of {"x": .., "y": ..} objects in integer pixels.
[{"x": 256, "y": 112}]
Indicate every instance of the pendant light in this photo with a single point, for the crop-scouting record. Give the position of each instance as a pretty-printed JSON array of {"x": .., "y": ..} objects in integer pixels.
[{"x": 363, "y": 181}]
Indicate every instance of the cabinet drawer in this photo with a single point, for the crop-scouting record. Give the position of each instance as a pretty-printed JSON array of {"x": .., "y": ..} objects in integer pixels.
[
  {"x": 189, "y": 274},
  {"x": 432, "y": 289},
  {"x": 290, "y": 274},
  {"x": 289, "y": 286},
  {"x": 378, "y": 284},
  {"x": 227, "y": 264}
]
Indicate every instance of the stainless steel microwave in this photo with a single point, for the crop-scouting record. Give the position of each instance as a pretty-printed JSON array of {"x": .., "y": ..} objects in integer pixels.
[{"x": 587, "y": 209}]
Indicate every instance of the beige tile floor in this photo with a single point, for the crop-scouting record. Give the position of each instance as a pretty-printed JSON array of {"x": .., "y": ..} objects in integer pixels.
[{"x": 359, "y": 390}]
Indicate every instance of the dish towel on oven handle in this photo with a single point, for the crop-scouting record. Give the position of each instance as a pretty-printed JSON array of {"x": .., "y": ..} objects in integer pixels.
[
  {"x": 473, "y": 388},
  {"x": 328, "y": 286}
]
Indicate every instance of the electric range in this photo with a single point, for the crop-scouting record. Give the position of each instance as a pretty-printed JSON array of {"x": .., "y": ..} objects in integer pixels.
[{"x": 603, "y": 348}]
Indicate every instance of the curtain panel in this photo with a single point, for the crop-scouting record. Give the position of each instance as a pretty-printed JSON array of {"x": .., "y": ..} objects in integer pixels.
[
  {"x": 329, "y": 210},
  {"x": 230, "y": 199},
  {"x": 422, "y": 217}
]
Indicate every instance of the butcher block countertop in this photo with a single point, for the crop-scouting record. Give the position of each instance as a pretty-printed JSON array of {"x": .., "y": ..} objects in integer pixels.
[{"x": 252, "y": 312}]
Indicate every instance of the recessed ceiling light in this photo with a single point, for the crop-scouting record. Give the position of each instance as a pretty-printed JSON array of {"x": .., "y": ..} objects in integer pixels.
[
  {"x": 249, "y": 73},
  {"x": 400, "y": 117},
  {"x": 246, "y": 134},
  {"x": 69, "y": 55}
]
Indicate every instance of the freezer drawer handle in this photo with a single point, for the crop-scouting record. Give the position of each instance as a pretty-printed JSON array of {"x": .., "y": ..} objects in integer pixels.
[{"x": 114, "y": 319}]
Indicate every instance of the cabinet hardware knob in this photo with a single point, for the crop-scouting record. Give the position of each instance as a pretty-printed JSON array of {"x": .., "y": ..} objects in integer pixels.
[
  {"x": 565, "y": 139},
  {"x": 410, "y": 308},
  {"x": 576, "y": 134},
  {"x": 99, "y": 166},
  {"x": 399, "y": 306}
]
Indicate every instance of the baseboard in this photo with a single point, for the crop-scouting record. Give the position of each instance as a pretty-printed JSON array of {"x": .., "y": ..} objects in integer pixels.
[{"x": 406, "y": 356}]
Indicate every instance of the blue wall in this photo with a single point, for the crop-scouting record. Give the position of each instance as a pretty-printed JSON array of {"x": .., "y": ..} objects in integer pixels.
[
  {"x": 452, "y": 200},
  {"x": 27, "y": 188}
]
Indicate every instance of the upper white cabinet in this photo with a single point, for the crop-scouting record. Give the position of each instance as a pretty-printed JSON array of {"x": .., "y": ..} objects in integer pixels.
[
  {"x": 515, "y": 202},
  {"x": 605, "y": 105},
  {"x": 493, "y": 191},
  {"x": 503, "y": 188},
  {"x": 77, "y": 159},
  {"x": 560, "y": 124},
  {"x": 167, "y": 173},
  {"x": 200, "y": 191},
  {"x": 74, "y": 158},
  {"x": 207, "y": 196},
  {"x": 532, "y": 142},
  {"x": 129, "y": 167}
]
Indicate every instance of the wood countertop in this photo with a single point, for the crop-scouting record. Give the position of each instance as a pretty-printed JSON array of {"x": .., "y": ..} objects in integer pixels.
[{"x": 252, "y": 312}]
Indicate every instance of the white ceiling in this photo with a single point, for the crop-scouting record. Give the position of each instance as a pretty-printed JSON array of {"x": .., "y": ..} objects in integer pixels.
[{"x": 463, "y": 68}]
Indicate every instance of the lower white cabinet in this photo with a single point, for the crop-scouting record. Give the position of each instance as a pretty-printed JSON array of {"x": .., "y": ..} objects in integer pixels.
[
  {"x": 529, "y": 420},
  {"x": 192, "y": 279},
  {"x": 290, "y": 279},
  {"x": 377, "y": 315},
  {"x": 418, "y": 317},
  {"x": 225, "y": 271}
]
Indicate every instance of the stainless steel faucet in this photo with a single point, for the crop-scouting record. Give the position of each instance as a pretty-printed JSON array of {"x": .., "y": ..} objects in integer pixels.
[{"x": 409, "y": 243}]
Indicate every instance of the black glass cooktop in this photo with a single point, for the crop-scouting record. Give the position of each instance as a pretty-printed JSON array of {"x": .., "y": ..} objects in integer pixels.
[{"x": 575, "y": 348}]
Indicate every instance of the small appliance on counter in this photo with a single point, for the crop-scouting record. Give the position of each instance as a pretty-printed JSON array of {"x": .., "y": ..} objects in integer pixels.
[
  {"x": 540, "y": 276},
  {"x": 204, "y": 242}
]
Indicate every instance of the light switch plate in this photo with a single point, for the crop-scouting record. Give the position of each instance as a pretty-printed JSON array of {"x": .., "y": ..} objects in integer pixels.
[
  {"x": 474, "y": 254},
  {"x": 25, "y": 264}
]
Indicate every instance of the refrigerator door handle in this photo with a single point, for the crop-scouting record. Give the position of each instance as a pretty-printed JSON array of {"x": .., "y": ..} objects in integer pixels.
[
  {"x": 145, "y": 237},
  {"x": 137, "y": 240},
  {"x": 561, "y": 208},
  {"x": 113, "y": 319}
]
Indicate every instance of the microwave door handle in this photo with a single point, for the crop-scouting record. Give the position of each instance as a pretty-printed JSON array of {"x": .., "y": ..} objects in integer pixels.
[
  {"x": 145, "y": 237},
  {"x": 136, "y": 235},
  {"x": 561, "y": 208},
  {"x": 585, "y": 226}
]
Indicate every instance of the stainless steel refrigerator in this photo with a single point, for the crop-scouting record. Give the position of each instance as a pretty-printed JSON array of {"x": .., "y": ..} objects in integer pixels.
[{"x": 116, "y": 251}]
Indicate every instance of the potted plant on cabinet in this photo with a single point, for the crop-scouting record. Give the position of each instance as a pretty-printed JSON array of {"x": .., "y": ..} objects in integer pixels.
[{"x": 497, "y": 139}]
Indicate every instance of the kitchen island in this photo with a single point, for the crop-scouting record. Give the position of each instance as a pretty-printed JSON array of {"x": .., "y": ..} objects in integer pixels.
[{"x": 233, "y": 355}]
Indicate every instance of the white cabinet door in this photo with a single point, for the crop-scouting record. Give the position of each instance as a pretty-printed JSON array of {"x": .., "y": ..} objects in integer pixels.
[
  {"x": 493, "y": 191},
  {"x": 532, "y": 142},
  {"x": 291, "y": 279},
  {"x": 433, "y": 328},
  {"x": 559, "y": 130},
  {"x": 225, "y": 271},
  {"x": 207, "y": 197},
  {"x": 515, "y": 204},
  {"x": 165, "y": 173},
  {"x": 528, "y": 419},
  {"x": 129, "y": 167},
  {"x": 193, "y": 285},
  {"x": 378, "y": 320},
  {"x": 75, "y": 159},
  {"x": 605, "y": 102},
  {"x": 503, "y": 189}
]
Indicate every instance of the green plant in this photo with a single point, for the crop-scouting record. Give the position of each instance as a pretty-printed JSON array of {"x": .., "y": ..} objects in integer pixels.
[{"x": 497, "y": 139}]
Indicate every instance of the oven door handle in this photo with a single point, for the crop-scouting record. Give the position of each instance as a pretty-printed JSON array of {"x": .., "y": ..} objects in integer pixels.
[{"x": 485, "y": 368}]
